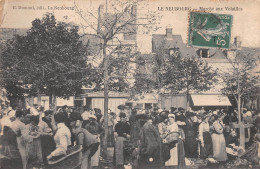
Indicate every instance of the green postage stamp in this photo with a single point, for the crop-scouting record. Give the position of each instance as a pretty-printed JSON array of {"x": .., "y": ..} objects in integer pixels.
[{"x": 209, "y": 30}]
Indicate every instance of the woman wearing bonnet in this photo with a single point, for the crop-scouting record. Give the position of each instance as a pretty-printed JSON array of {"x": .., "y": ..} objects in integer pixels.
[
  {"x": 206, "y": 148},
  {"x": 218, "y": 140},
  {"x": 33, "y": 140},
  {"x": 172, "y": 128}
]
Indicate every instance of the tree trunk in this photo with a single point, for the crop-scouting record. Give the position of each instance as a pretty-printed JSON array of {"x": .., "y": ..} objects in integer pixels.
[
  {"x": 106, "y": 91},
  {"x": 241, "y": 125},
  {"x": 188, "y": 101},
  {"x": 54, "y": 108},
  {"x": 188, "y": 98},
  {"x": 38, "y": 98}
]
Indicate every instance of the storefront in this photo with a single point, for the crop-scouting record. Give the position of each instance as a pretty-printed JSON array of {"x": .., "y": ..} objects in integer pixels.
[
  {"x": 209, "y": 101},
  {"x": 96, "y": 100}
]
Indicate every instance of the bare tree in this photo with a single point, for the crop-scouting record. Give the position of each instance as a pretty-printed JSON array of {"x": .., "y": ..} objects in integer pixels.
[
  {"x": 240, "y": 82},
  {"x": 116, "y": 27}
]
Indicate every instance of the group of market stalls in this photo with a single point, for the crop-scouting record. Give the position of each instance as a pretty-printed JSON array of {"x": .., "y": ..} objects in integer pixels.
[{"x": 196, "y": 102}]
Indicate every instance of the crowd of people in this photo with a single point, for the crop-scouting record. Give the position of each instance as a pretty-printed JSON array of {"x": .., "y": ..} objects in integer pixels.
[{"x": 151, "y": 138}]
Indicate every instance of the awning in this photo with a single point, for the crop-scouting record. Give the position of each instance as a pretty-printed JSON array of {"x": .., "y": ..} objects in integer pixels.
[{"x": 210, "y": 100}]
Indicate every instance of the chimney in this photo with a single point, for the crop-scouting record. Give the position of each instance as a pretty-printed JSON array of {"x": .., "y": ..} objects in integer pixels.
[
  {"x": 100, "y": 18},
  {"x": 134, "y": 10},
  {"x": 101, "y": 9},
  {"x": 237, "y": 42},
  {"x": 168, "y": 32}
]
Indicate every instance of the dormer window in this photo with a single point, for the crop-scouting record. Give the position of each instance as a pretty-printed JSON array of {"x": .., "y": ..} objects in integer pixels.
[
  {"x": 173, "y": 52},
  {"x": 203, "y": 53}
]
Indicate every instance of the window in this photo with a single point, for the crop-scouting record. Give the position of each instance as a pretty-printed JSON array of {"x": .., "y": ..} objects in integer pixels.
[
  {"x": 155, "y": 105},
  {"x": 173, "y": 52},
  {"x": 203, "y": 53},
  {"x": 148, "y": 105}
]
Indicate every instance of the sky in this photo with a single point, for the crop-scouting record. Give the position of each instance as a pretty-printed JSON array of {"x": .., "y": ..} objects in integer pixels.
[{"x": 246, "y": 20}]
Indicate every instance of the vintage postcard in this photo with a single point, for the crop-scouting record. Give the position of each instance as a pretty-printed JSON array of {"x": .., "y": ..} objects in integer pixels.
[{"x": 112, "y": 65}]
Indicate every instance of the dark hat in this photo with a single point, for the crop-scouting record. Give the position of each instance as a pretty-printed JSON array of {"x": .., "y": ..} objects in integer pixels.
[
  {"x": 164, "y": 114},
  {"x": 121, "y": 107},
  {"x": 76, "y": 116},
  {"x": 190, "y": 114},
  {"x": 122, "y": 115},
  {"x": 97, "y": 110},
  {"x": 180, "y": 108},
  {"x": 158, "y": 119},
  {"x": 112, "y": 113},
  {"x": 47, "y": 112},
  {"x": 173, "y": 109}
]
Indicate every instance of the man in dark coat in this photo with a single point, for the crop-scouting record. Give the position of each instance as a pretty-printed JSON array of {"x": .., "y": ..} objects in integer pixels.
[{"x": 150, "y": 146}]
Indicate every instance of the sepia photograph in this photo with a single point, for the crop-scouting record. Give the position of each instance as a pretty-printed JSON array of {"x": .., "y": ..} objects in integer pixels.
[{"x": 129, "y": 84}]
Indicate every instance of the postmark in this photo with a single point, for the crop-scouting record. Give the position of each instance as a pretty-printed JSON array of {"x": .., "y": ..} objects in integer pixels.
[{"x": 209, "y": 30}]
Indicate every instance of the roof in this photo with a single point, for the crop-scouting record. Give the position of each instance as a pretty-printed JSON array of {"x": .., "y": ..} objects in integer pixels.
[
  {"x": 175, "y": 42},
  {"x": 216, "y": 56},
  {"x": 8, "y": 33},
  {"x": 246, "y": 51}
]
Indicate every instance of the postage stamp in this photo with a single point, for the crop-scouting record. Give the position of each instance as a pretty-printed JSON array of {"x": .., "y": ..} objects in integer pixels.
[{"x": 209, "y": 30}]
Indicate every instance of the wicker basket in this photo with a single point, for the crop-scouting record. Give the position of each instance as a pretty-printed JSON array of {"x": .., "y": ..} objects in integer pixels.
[
  {"x": 71, "y": 161},
  {"x": 171, "y": 137}
]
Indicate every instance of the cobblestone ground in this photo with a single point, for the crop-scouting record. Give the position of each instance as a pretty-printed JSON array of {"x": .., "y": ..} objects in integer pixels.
[{"x": 196, "y": 164}]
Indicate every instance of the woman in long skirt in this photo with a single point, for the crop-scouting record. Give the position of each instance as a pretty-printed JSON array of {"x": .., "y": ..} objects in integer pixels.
[
  {"x": 181, "y": 152},
  {"x": 33, "y": 142},
  {"x": 206, "y": 148},
  {"x": 218, "y": 140},
  {"x": 190, "y": 130},
  {"x": 172, "y": 127},
  {"x": 110, "y": 134}
]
